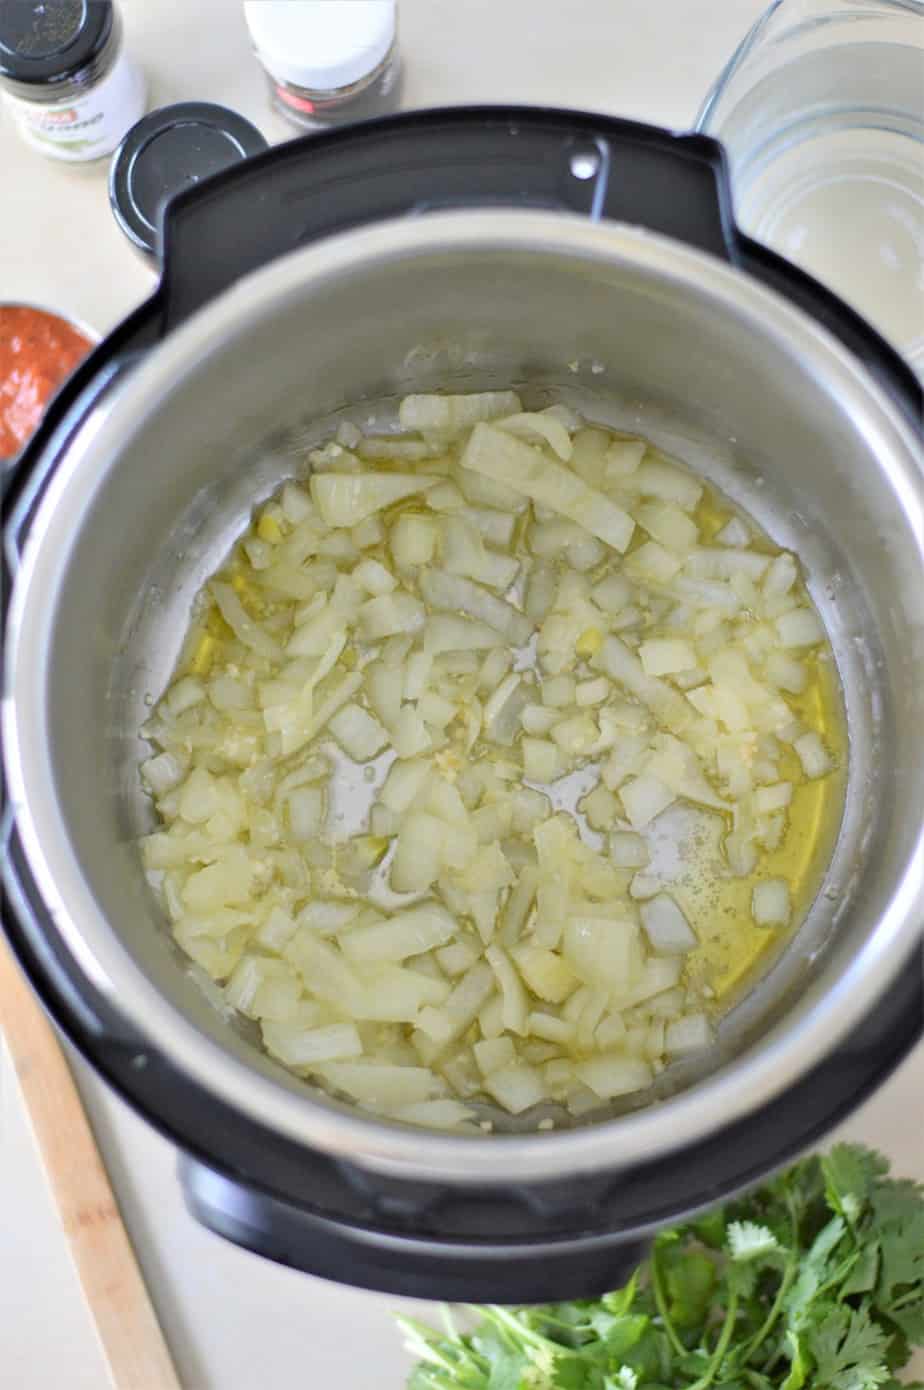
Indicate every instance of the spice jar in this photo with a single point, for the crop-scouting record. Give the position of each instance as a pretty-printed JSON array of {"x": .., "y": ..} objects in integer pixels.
[
  {"x": 327, "y": 61},
  {"x": 70, "y": 88}
]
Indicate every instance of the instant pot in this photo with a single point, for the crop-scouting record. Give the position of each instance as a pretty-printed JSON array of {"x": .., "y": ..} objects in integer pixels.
[{"x": 591, "y": 259}]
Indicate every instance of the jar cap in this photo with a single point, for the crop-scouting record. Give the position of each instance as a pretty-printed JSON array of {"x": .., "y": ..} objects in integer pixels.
[
  {"x": 321, "y": 44},
  {"x": 45, "y": 41},
  {"x": 169, "y": 150}
]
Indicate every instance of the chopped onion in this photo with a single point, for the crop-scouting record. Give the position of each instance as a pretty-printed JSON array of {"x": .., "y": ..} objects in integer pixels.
[
  {"x": 409, "y": 735},
  {"x": 614, "y": 1075},
  {"x": 379, "y": 1086},
  {"x": 446, "y": 633},
  {"x": 666, "y": 656},
  {"x": 358, "y": 733},
  {"x": 456, "y": 958},
  {"x": 493, "y": 1054},
  {"x": 162, "y": 773},
  {"x": 651, "y": 563},
  {"x": 655, "y": 478},
  {"x": 812, "y": 755},
  {"x": 453, "y": 415},
  {"x": 343, "y": 499},
  {"x": 666, "y": 926},
  {"x": 668, "y": 525},
  {"x": 517, "y": 1087},
  {"x": 800, "y": 627},
  {"x": 644, "y": 798},
  {"x": 407, "y": 934},
  {"x": 622, "y": 458},
  {"x": 390, "y": 614},
  {"x": 539, "y": 428},
  {"x": 374, "y": 577},
  {"x": 495, "y": 455},
  {"x": 627, "y": 850},
  {"x": 464, "y": 553},
  {"x": 542, "y": 761},
  {"x": 546, "y": 973},
  {"x": 770, "y": 905},
  {"x": 690, "y": 1033},
  {"x": 774, "y": 798},
  {"x": 735, "y": 532},
  {"x": 468, "y": 632},
  {"x": 245, "y": 628},
  {"x": 299, "y": 1047},
  {"x": 306, "y": 812},
  {"x": 603, "y": 949},
  {"x": 513, "y": 995},
  {"x": 405, "y": 784},
  {"x": 435, "y": 1114},
  {"x": 413, "y": 540},
  {"x": 453, "y": 594}
]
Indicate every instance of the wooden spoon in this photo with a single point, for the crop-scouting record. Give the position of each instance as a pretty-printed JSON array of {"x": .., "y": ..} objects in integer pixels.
[{"x": 132, "y": 1342}]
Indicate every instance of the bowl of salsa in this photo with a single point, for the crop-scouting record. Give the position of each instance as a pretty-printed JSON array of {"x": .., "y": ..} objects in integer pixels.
[{"x": 38, "y": 351}]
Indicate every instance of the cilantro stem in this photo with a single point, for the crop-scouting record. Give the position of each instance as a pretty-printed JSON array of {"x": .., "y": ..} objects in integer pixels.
[
  {"x": 767, "y": 1326},
  {"x": 517, "y": 1332},
  {"x": 721, "y": 1325},
  {"x": 789, "y": 1273},
  {"x": 551, "y": 1321},
  {"x": 657, "y": 1289},
  {"x": 422, "y": 1341},
  {"x": 721, "y": 1346}
]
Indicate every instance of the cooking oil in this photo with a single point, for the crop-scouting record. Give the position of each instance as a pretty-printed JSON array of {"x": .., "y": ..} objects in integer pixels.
[{"x": 733, "y": 949}]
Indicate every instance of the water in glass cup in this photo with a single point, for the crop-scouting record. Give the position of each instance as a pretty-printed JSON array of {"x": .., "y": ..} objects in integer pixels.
[{"x": 824, "y": 126}]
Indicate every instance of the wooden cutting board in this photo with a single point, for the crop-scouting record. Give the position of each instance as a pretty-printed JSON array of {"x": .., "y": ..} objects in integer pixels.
[{"x": 126, "y": 1323}]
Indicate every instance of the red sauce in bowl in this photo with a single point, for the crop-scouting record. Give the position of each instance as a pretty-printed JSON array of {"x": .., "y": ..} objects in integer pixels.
[{"x": 37, "y": 351}]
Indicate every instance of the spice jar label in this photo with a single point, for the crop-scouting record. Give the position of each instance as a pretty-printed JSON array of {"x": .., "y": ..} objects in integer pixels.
[{"x": 86, "y": 127}]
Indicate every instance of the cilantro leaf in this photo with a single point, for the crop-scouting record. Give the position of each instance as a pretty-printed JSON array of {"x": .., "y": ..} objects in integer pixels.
[
  {"x": 624, "y": 1335},
  {"x": 849, "y": 1351},
  {"x": 862, "y": 1278},
  {"x": 850, "y": 1173},
  {"x": 910, "y": 1319},
  {"x": 690, "y": 1278},
  {"x": 814, "y": 1269},
  {"x": 748, "y": 1241},
  {"x": 903, "y": 1255},
  {"x": 813, "y": 1282}
]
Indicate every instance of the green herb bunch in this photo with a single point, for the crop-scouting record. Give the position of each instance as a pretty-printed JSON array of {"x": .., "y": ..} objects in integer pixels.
[{"x": 813, "y": 1282}]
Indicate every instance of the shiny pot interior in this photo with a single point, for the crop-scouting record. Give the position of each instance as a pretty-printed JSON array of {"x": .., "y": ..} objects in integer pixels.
[{"x": 637, "y": 332}]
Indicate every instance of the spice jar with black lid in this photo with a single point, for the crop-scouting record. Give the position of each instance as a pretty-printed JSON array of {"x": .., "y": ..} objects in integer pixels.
[{"x": 66, "y": 80}]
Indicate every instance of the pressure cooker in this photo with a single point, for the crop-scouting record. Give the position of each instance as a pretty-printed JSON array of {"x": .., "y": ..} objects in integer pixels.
[{"x": 460, "y": 249}]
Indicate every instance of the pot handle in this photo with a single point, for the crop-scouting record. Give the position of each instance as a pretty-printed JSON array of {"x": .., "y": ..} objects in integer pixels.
[
  {"x": 407, "y": 1258},
  {"x": 417, "y": 162}
]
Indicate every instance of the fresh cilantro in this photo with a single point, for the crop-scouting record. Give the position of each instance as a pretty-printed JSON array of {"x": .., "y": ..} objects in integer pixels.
[
  {"x": 748, "y": 1241},
  {"x": 813, "y": 1282},
  {"x": 849, "y": 1350}
]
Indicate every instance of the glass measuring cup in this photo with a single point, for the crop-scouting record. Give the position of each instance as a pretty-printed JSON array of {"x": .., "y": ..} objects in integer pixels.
[{"x": 821, "y": 111}]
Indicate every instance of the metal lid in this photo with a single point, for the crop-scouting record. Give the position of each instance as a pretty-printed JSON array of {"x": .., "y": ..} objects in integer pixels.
[
  {"x": 321, "y": 45},
  {"x": 167, "y": 151},
  {"x": 46, "y": 41}
]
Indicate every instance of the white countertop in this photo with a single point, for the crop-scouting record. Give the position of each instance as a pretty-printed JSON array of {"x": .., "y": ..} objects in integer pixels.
[{"x": 233, "y": 1321}]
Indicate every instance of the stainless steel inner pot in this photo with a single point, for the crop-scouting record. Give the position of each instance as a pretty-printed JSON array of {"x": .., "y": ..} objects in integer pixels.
[{"x": 639, "y": 332}]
